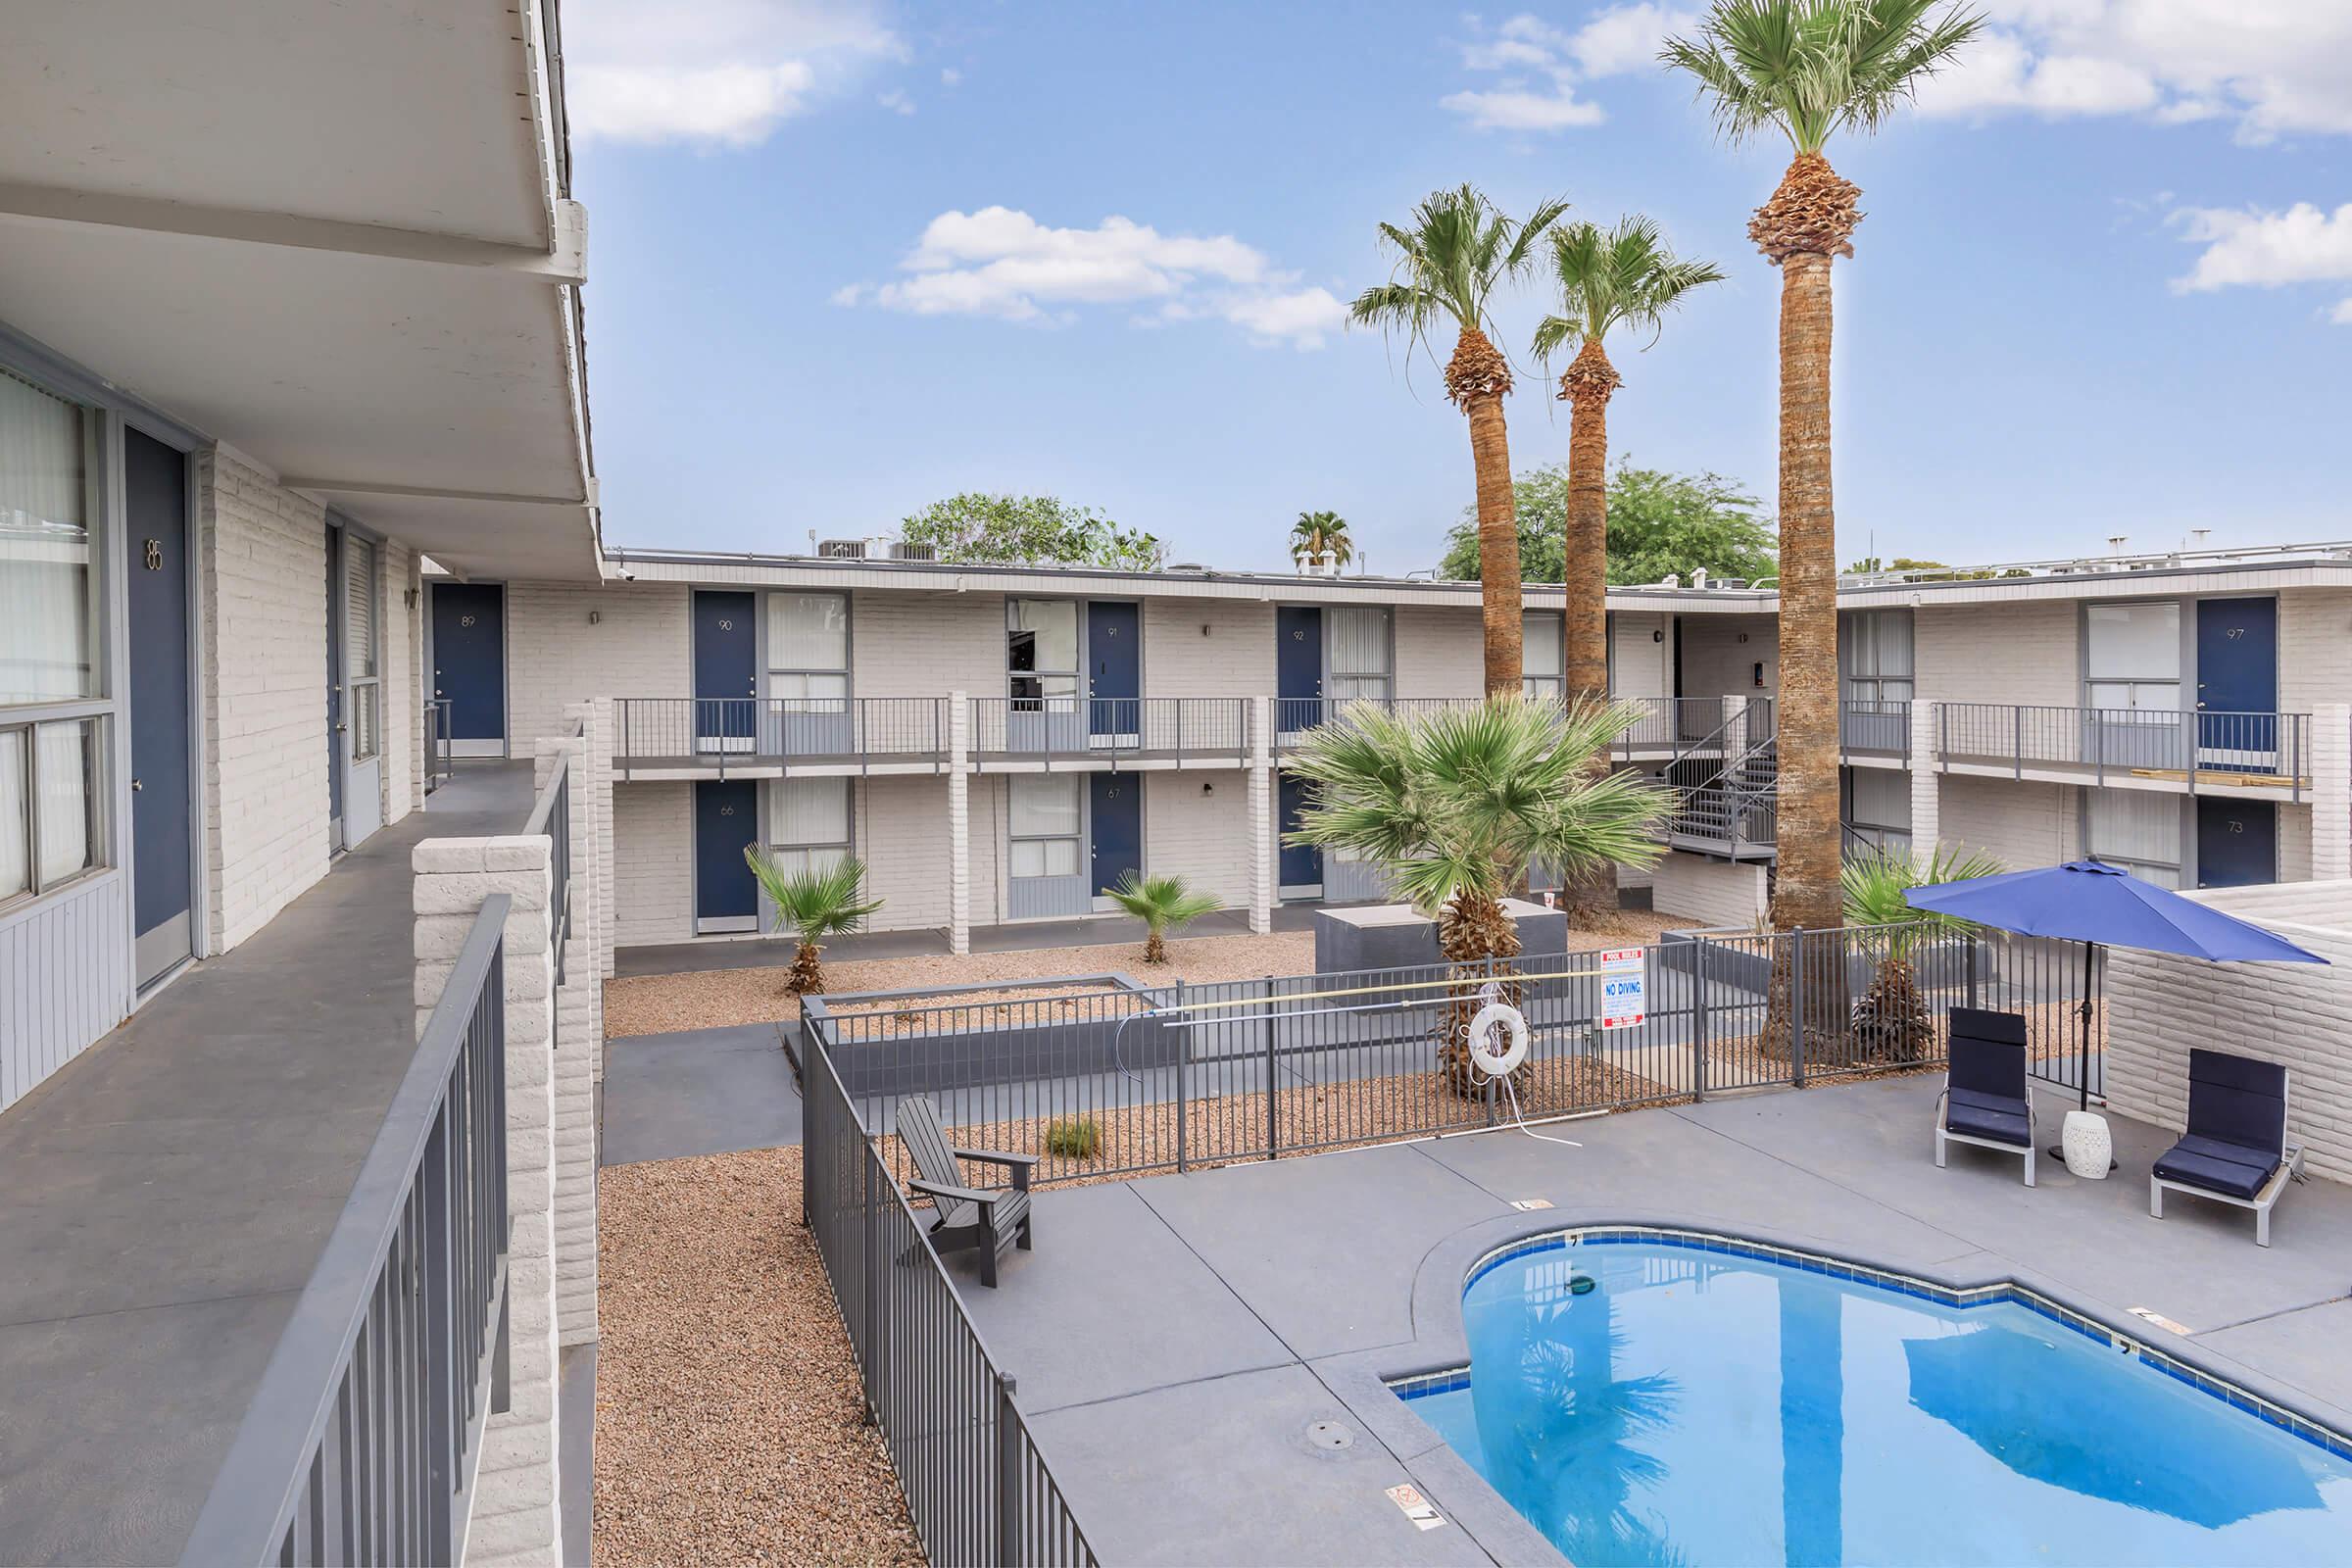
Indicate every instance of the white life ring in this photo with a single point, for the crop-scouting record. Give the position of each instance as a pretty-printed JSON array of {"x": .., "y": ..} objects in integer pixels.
[{"x": 1496, "y": 1064}]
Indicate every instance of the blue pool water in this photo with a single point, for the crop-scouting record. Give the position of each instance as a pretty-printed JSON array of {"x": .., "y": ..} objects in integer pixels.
[{"x": 1703, "y": 1408}]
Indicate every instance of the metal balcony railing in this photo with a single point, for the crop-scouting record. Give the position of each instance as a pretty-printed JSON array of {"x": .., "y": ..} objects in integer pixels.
[
  {"x": 1047, "y": 727},
  {"x": 1874, "y": 727},
  {"x": 365, "y": 1435},
  {"x": 772, "y": 731},
  {"x": 2262, "y": 749}
]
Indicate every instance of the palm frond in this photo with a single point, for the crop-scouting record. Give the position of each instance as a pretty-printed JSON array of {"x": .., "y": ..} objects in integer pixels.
[
  {"x": 816, "y": 902},
  {"x": 1447, "y": 262},
  {"x": 1163, "y": 904},
  {"x": 1808, "y": 68},
  {"x": 1874, "y": 888},
  {"x": 1622, "y": 275}
]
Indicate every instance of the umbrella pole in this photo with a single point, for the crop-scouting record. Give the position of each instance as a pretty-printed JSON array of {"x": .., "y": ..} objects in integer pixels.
[{"x": 2083, "y": 1011}]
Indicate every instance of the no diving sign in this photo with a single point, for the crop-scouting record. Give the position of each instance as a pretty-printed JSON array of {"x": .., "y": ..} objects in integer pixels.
[{"x": 1624, "y": 988}]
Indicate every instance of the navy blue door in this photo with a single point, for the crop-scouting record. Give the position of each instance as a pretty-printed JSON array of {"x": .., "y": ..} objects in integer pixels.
[
  {"x": 469, "y": 658},
  {"x": 155, "y": 506},
  {"x": 1118, "y": 824},
  {"x": 2237, "y": 682},
  {"x": 726, "y": 822},
  {"x": 1298, "y": 865},
  {"x": 1114, "y": 669},
  {"x": 726, "y": 674},
  {"x": 2237, "y": 842},
  {"x": 1298, "y": 668}
]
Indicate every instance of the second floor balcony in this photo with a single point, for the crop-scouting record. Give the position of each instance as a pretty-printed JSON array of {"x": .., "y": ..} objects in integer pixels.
[{"x": 2226, "y": 752}]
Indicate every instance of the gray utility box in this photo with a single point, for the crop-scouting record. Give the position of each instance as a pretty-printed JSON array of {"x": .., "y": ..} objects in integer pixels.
[{"x": 1393, "y": 936}]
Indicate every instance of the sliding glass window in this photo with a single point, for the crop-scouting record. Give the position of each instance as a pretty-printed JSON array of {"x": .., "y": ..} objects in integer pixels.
[
  {"x": 1360, "y": 667},
  {"x": 363, "y": 671},
  {"x": 2131, "y": 658},
  {"x": 1540, "y": 640},
  {"x": 1047, "y": 822},
  {"x": 809, "y": 652},
  {"x": 1876, "y": 645},
  {"x": 1041, "y": 654},
  {"x": 809, "y": 823},
  {"x": 51, "y": 762}
]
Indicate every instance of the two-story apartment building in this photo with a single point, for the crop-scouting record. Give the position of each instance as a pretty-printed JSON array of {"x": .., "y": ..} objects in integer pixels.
[{"x": 1001, "y": 744}]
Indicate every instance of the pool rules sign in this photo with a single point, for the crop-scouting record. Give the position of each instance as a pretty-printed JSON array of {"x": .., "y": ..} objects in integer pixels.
[{"x": 1624, "y": 988}]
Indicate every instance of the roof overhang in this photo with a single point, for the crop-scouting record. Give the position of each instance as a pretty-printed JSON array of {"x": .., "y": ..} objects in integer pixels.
[{"x": 333, "y": 238}]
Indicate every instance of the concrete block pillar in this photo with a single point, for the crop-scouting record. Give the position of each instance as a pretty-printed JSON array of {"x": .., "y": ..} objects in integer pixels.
[
  {"x": 959, "y": 823},
  {"x": 579, "y": 1035},
  {"x": 2330, "y": 792},
  {"x": 515, "y": 1505},
  {"x": 1927, "y": 784},
  {"x": 1735, "y": 733},
  {"x": 1261, "y": 814}
]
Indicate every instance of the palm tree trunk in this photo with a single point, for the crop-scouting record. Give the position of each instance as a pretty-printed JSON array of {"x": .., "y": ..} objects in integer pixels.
[
  {"x": 805, "y": 979},
  {"x": 1807, "y": 891},
  {"x": 1156, "y": 948},
  {"x": 1472, "y": 928},
  {"x": 1497, "y": 545},
  {"x": 1585, "y": 631}
]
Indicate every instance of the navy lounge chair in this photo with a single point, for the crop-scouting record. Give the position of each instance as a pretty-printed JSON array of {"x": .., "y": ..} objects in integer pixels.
[
  {"x": 991, "y": 1220},
  {"x": 1985, "y": 1101},
  {"x": 2237, "y": 1149}
]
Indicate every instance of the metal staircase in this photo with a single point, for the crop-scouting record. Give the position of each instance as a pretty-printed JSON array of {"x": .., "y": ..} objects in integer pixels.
[{"x": 1728, "y": 805}]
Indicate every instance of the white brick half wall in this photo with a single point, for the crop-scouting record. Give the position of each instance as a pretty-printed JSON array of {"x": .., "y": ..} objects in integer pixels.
[
  {"x": 263, "y": 588},
  {"x": 1708, "y": 893},
  {"x": 2298, "y": 1015}
]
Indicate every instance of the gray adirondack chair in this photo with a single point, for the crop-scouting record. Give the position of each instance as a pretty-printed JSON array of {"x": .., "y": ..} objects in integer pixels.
[{"x": 990, "y": 1218}]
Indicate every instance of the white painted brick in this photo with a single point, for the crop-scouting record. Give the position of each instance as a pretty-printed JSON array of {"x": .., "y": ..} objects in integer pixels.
[
  {"x": 639, "y": 647},
  {"x": 1708, "y": 893},
  {"x": 1196, "y": 826},
  {"x": 1717, "y": 664},
  {"x": 2017, "y": 653},
  {"x": 653, "y": 861}
]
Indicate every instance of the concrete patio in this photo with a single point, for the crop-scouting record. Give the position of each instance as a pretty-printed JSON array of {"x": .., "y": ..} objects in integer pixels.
[{"x": 1176, "y": 1337}]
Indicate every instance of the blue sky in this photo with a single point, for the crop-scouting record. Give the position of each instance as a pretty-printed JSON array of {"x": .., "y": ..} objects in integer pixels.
[{"x": 847, "y": 259}]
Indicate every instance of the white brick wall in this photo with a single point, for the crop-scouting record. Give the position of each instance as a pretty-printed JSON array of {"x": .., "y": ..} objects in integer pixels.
[
  {"x": 2299, "y": 1014},
  {"x": 1236, "y": 659},
  {"x": 923, "y": 644},
  {"x": 1196, "y": 826},
  {"x": 403, "y": 733},
  {"x": 2023, "y": 824},
  {"x": 2315, "y": 648},
  {"x": 2026, "y": 652},
  {"x": 1708, "y": 893},
  {"x": 1717, "y": 664},
  {"x": 1440, "y": 652},
  {"x": 263, "y": 586},
  {"x": 2294, "y": 841},
  {"x": 638, "y": 648},
  {"x": 653, "y": 864},
  {"x": 579, "y": 1039},
  {"x": 902, "y": 838}
]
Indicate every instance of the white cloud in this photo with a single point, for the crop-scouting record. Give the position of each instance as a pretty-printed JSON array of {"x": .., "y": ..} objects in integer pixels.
[
  {"x": 1002, "y": 263},
  {"x": 1538, "y": 67},
  {"x": 2252, "y": 247},
  {"x": 896, "y": 102},
  {"x": 719, "y": 73},
  {"x": 2275, "y": 67},
  {"x": 2341, "y": 315},
  {"x": 949, "y": 76}
]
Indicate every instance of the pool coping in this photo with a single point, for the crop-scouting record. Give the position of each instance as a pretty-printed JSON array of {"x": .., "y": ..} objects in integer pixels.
[{"x": 1366, "y": 1381}]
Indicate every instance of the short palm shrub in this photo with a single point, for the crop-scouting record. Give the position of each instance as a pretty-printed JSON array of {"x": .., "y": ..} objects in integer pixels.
[
  {"x": 814, "y": 903},
  {"x": 1456, "y": 806},
  {"x": 1890, "y": 1021},
  {"x": 1164, "y": 904},
  {"x": 1073, "y": 1137}
]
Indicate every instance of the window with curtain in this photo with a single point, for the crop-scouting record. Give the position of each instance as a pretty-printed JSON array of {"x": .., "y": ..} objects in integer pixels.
[
  {"x": 49, "y": 813},
  {"x": 1041, "y": 652},
  {"x": 360, "y": 650},
  {"x": 2131, "y": 658},
  {"x": 1541, "y": 655},
  {"x": 1878, "y": 808},
  {"x": 1360, "y": 672},
  {"x": 1045, "y": 823},
  {"x": 808, "y": 651},
  {"x": 2136, "y": 829},
  {"x": 1875, "y": 647},
  {"x": 809, "y": 823},
  {"x": 48, "y": 584}
]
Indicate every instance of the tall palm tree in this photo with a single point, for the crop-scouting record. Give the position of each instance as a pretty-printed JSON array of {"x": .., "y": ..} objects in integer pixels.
[
  {"x": 1808, "y": 69},
  {"x": 1321, "y": 533},
  {"x": 1456, "y": 806},
  {"x": 1452, "y": 256},
  {"x": 1621, "y": 276}
]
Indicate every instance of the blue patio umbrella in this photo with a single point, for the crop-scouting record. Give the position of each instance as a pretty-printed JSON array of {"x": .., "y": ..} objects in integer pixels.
[{"x": 2103, "y": 906}]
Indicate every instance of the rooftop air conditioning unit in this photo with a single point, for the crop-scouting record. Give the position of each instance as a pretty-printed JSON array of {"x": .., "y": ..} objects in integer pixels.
[
  {"x": 1325, "y": 564},
  {"x": 841, "y": 549},
  {"x": 903, "y": 551},
  {"x": 1698, "y": 576}
]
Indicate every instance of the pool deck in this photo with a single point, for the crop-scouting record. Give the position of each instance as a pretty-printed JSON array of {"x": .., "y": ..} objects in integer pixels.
[{"x": 1174, "y": 1339}]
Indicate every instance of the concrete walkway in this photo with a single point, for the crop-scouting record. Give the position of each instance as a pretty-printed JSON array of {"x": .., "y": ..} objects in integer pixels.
[
  {"x": 169, "y": 1193},
  {"x": 699, "y": 1092},
  {"x": 1028, "y": 936},
  {"x": 1176, "y": 1339}
]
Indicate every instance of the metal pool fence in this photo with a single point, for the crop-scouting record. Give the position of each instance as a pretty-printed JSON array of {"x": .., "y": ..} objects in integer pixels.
[
  {"x": 976, "y": 1484},
  {"x": 1097, "y": 1076}
]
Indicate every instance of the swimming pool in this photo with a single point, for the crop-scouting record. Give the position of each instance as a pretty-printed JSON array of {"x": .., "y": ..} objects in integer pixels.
[{"x": 1710, "y": 1403}]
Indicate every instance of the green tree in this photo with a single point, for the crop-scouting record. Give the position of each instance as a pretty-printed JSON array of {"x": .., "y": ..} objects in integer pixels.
[
  {"x": 1659, "y": 523},
  {"x": 812, "y": 903},
  {"x": 1890, "y": 1022},
  {"x": 1459, "y": 249},
  {"x": 1807, "y": 69},
  {"x": 1456, "y": 806},
  {"x": 1029, "y": 531},
  {"x": 1164, "y": 904},
  {"x": 1321, "y": 533}
]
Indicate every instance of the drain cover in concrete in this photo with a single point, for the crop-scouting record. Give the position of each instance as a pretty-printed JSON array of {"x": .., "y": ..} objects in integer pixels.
[{"x": 1329, "y": 1435}]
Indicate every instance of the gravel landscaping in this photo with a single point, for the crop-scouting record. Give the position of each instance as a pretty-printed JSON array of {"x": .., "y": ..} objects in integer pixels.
[
  {"x": 713, "y": 999},
  {"x": 728, "y": 1422}
]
